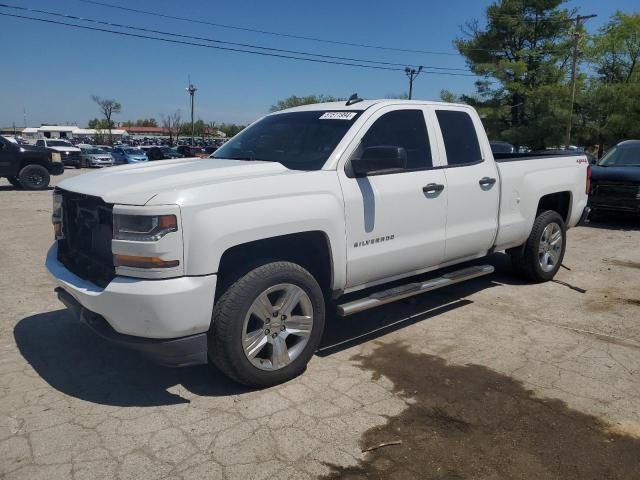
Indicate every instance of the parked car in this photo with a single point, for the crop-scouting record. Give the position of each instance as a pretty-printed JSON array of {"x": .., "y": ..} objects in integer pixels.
[
  {"x": 236, "y": 260},
  {"x": 123, "y": 155},
  {"x": 71, "y": 155},
  {"x": 162, "y": 153},
  {"x": 615, "y": 179},
  {"x": 191, "y": 151},
  {"x": 501, "y": 147},
  {"x": 210, "y": 149},
  {"x": 27, "y": 166},
  {"x": 95, "y": 157}
]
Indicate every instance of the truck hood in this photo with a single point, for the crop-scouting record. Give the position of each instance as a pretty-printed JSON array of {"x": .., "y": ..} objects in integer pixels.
[
  {"x": 31, "y": 149},
  {"x": 137, "y": 184},
  {"x": 64, "y": 149}
]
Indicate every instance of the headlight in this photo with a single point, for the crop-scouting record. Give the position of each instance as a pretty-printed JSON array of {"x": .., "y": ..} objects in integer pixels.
[
  {"x": 55, "y": 157},
  {"x": 56, "y": 216},
  {"x": 143, "y": 228}
]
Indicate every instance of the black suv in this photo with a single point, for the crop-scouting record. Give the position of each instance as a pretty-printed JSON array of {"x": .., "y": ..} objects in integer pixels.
[{"x": 28, "y": 167}]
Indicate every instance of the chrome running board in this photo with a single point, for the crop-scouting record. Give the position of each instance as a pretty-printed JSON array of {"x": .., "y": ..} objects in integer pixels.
[{"x": 411, "y": 289}]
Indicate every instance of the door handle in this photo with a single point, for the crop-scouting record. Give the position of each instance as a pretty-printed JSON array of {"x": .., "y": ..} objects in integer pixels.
[
  {"x": 433, "y": 188},
  {"x": 485, "y": 181}
]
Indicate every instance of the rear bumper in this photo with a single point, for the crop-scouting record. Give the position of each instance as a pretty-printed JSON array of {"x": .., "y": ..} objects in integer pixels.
[
  {"x": 172, "y": 352},
  {"x": 626, "y": 207}
]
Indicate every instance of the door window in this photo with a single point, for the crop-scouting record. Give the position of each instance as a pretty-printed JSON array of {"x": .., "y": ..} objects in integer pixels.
[
  {"x": 40, "y": 143},
  {"x": 460, "y": 138},
  {"x": 402, "y": 128}
]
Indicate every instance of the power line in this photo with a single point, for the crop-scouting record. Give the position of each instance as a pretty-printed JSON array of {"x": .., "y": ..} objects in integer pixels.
[
  {"x": 266, "y": 32},
  {"x": 217, "y": 47},
  {"x": 244, "y": 45},
  {"x": 528, "y": 19},
  {"x": 299, "y": 37}
]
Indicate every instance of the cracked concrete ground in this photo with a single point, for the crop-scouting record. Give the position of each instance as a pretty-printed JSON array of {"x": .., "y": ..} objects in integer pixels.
[{"x": 73, "y": 406}]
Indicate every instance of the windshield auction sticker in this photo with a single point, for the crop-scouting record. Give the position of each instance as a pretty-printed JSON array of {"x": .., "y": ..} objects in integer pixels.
[{"x": 338, "y": 115}]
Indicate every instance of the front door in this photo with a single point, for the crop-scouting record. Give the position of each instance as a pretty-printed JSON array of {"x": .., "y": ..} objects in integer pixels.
[
  {"x": 5, "y": 158},
  {"x": 395, "y": 221}
]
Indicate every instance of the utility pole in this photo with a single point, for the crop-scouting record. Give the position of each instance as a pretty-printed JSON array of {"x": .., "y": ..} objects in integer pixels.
[
  {"x": 574, "y": 68},
  {"x": 192, "y": 91},
  {"x": 412, "y": 73}
]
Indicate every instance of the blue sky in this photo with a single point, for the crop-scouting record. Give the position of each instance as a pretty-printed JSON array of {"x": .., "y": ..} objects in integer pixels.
[{"x": 51, "y": 71}]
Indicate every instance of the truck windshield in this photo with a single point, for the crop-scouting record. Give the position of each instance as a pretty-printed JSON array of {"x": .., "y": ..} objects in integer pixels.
[
  {"x": 622, "y": 156},
  {"x": 297, "y": 140}
]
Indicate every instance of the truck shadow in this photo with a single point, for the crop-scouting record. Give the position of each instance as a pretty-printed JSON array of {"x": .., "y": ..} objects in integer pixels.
[
  {"x": 11, "y": 188},
  {"x": 74, "y": 360}
]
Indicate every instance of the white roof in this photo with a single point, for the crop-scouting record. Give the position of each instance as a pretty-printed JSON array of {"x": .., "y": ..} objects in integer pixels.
[
  {"x": 57, "y": 128},
  {"x": 30, "y": 130},
  {"x": 84, "y": 131},
  {"x": 114, "y": 131},
  {"x": 364, "y": 104}
]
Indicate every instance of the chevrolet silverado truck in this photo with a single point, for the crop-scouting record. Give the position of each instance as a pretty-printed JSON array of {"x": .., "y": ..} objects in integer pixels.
[
  {"x": 28, "y": 167},
  {"x": 237, "y": 259}
]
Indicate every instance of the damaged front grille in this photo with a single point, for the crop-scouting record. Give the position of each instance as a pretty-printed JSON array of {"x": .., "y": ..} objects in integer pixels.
[{"x": 87, "y": 226}]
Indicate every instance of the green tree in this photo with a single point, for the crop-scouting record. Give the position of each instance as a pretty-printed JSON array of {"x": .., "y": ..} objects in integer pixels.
[
  {"x": 108, "y": 107},
  {"x": 172, "y": 124},
  {"x": 522, "y": 57},
  {"x": 230, "y": 129},
  {"x": 615, "y": 50},
  {"x": 98, "y": 123},
  {"x": 295, "y": 101},
  {"x": 608, "y": 110}
]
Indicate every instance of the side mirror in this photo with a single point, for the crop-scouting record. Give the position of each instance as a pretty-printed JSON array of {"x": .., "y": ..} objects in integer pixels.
[{"x": 379, "y": 159}]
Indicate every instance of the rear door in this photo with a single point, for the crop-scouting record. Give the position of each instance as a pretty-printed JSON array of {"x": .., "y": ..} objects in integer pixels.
[
  {"x": 472, "y": 183},
  {"x": 394, "y": 222}
]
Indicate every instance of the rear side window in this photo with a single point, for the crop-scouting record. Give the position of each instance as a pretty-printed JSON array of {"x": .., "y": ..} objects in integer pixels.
[
  {"x": 402, "y": 128},
  {"x": 460, "y": 139}
]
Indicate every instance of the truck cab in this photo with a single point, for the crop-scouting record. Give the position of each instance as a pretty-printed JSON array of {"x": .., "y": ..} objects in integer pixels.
[
  {"x": 336, "y": 207},
  {"x": 26, "y": 166}
]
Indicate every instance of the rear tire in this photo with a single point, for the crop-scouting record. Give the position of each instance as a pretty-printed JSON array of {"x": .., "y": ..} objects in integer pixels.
[
  {"x": 14, "y": 181},
  {"x": 267, "y": 325},
  {"x": 539, "y": 259},
  {"x": 34, "y": 177}
]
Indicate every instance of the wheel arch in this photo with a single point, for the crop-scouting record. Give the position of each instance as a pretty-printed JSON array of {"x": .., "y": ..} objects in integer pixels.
[
  {"x": 310, "y": 249},
  {"x": 33, "y": 161},
  {"x": 558, "y": 202}
]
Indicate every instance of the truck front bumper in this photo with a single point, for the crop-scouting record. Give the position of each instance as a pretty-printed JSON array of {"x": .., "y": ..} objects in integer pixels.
[{"x": 167, "y": 320}]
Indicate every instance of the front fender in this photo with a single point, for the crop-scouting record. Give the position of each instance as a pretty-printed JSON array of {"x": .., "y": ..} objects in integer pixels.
[{"x": 211, "y": 229}]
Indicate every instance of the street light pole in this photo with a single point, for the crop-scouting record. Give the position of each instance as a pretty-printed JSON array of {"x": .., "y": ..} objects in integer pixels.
[
  {"x": 574, "y": 69},
  {"x": 192, "y": 91},
  {"x": 412, "y": 73}
]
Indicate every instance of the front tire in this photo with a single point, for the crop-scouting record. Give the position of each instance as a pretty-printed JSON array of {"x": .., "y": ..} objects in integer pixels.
[
  {"x": 267, "y": 325},
  {"x": 34, "y": 177},
  {"x": 14, "y": 181},
  {"x": 539, "y": 259}
]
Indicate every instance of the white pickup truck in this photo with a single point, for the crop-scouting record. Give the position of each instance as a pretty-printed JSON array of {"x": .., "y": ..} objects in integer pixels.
[{"x": 237, "y": 259}]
